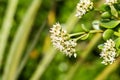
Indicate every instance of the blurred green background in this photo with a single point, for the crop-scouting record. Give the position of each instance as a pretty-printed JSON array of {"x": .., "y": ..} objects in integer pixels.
[{"x": 32, "y": 55}]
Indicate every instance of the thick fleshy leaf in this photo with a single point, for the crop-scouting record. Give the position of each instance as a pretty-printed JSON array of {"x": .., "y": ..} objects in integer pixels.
[
  {"x": 106, "y": 15},
  {"x": 110, "y": 24},
  {"x": 117, "y": 43},
  {"x": 117, "y": 34},
  {"x": 107, "y": 34},
  {"x": 85, "y": 36},
  {"x": 113, "y": 11},
  {"x": 84, "y": 28},
  {"x": 104, "y": 7},
  {"x": 100, "y": 46}
]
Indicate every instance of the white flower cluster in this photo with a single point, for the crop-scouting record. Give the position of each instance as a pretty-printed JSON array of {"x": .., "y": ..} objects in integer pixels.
[
  {"x": 110, "y": 2},
  {"x": 82, "y": 7},
  {"x": 61, "y": 40},
  {"x": 108, "y": 52}
]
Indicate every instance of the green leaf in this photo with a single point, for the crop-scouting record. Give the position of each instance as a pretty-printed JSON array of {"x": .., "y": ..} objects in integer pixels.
[
  {"x": 100, "y": 46},
  {"x": 117, "y": 44},
  {"x": 107, "y": 34},
  {"x": 85, "y": 36},
  {"x": 117, "y": 34},
  {"x": 110, "y": 24},
  {"x": 104, "y": 7},
  {"x": 114, "y": 11},
  {"x": 105, "y": 15},
  {"x": 84, "y": 28},
  {"x": 119, "y": 29}
]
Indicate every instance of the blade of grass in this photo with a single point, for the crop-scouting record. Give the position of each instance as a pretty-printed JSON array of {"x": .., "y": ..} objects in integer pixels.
[
  {"x": 71, "y": 22},
  {"x": 29, "y": 50},
  {"x": 51, "y": 52},
  {"x": 83, "y": 56},
  {"x": 19, "y": 41},
  {"x": 109, "y": 69},
  {"x": 6, "y": 26},
  {"x": 43, "y": 64}
]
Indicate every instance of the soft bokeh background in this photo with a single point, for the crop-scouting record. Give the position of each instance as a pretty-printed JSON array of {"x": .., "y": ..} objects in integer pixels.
[{"x": 28, "y": 53}]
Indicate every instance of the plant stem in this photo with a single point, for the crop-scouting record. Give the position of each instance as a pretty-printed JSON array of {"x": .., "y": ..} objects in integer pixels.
[
  {"x": 80, "y": 37},
  {"x": 19, "y": 41},
  {"x": 6, "y": 26},
  {"x": 96, "y": 31},
  {"x": 84, "y": 33},
  {"x": 72, "y": 20},
  {"x": 43, "y": 64},
  {"x": 105, "y": 73},
  {"x": 75, "y": 34}
]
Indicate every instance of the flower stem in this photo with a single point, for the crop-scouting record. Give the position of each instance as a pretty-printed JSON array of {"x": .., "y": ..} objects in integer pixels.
[
  {"x": 96, "y": 31},
  {"x": 75, "y": 34},
  {"x": 80, "y": 37}
]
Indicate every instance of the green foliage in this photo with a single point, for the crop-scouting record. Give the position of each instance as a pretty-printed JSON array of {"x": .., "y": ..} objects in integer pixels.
[
  {"x": 117, "y": 42},
  {"x": 108, "y": 34},
  {"x": 110, "y": 24},
  {"x": 101, "y": 46},
  {"x": 85, "y": 36},
  {"x": 114, "y": 11},
  {"x": 104, "y": 7},
  {"x": 105, "y": 15}
]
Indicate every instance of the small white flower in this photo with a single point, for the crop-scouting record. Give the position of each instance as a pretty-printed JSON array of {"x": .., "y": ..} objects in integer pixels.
[
  {"x": 82, "y": 7},
  {"x": 62, "y": 41},
  {"x": 108, "y": 52},
  {"x": 110, "y": 2}
]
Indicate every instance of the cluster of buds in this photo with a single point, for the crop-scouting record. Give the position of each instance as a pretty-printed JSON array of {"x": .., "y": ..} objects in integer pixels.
[
  {"x": 61, "y": 40},
  {"x": 82, "y": 7},
  {"x": 108, "y": 52},
  {"x": 110, "y": 2}
]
